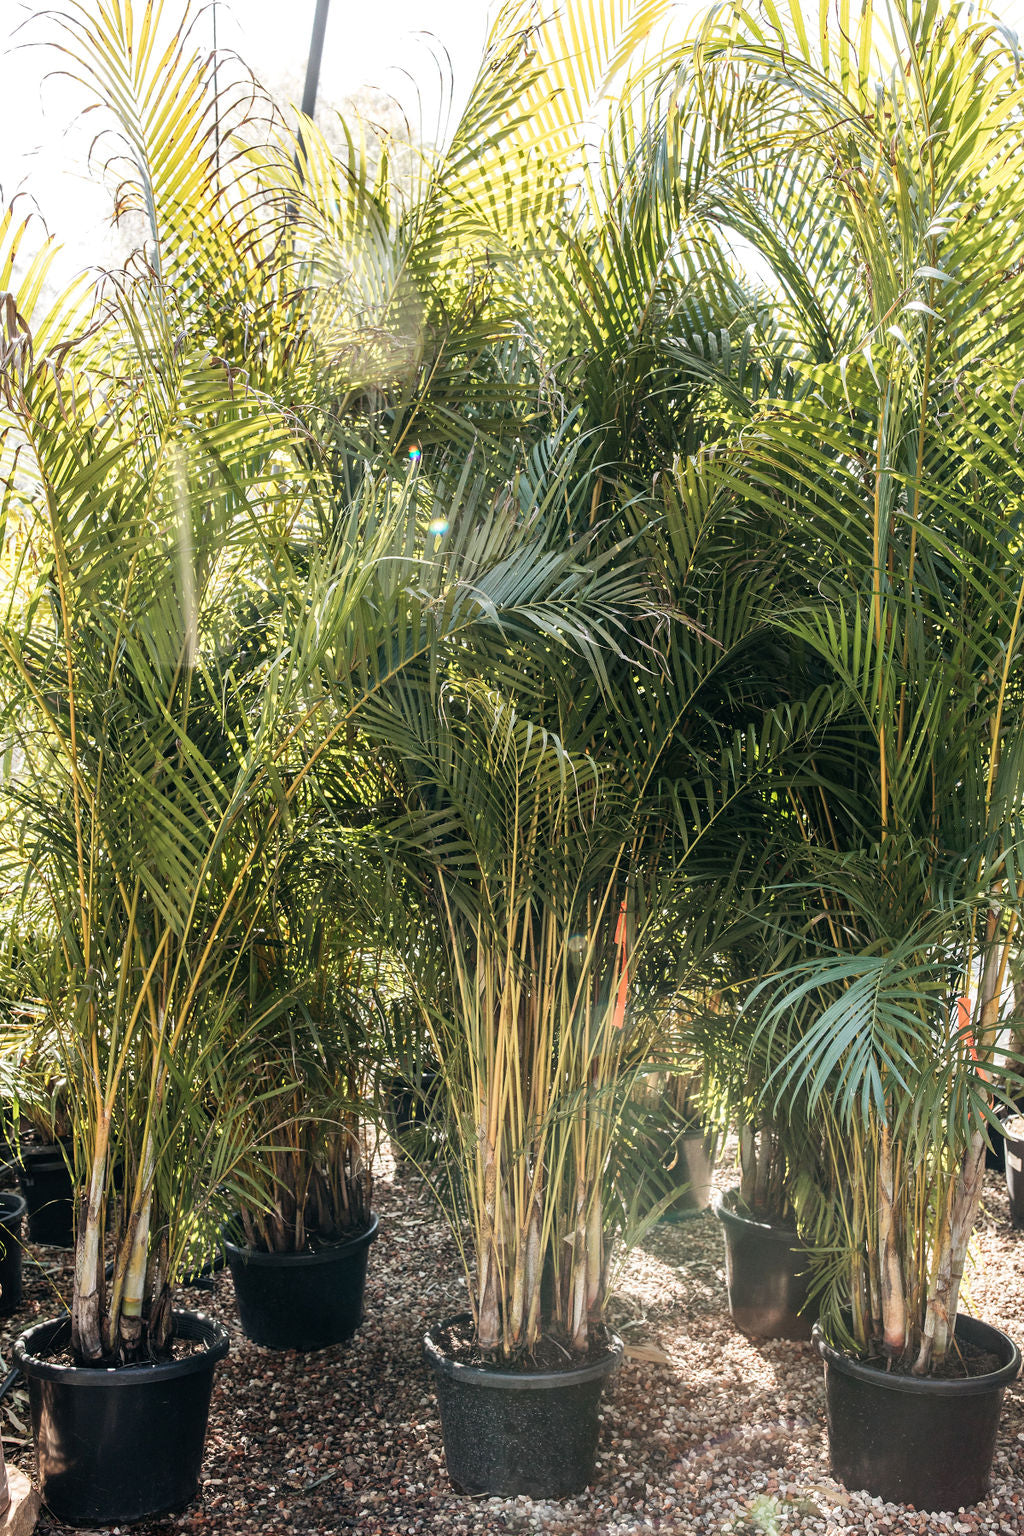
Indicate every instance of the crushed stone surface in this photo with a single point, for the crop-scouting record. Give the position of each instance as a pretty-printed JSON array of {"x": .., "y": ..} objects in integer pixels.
[{"x": 703, "y": 1431}]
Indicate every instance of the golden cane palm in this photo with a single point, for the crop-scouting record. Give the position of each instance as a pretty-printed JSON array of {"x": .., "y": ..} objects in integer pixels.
[
  {"x": 878, "y": 176},
  {"x": 578, "y": 834},
  {"x": 153, "y": 716},
  {"x": 317, "y": 980}
]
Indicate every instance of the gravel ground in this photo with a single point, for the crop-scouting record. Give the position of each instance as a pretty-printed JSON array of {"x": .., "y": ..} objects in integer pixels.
[{"x": 703, "y": 1430}]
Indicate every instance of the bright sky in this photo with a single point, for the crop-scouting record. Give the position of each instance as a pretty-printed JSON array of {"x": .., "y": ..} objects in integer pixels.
[{"x": 383, "y": 43}]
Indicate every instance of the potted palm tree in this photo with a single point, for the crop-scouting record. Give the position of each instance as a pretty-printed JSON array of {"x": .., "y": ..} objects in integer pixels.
[
  {"x": 548, "y": 901},
  {"x": 298, "y": 1262},
  {"x": 679, "y": 1112},
  {"x": 771, "y": 1219},
  {"x": 531, "y": 1040},
  {"x": 299, "y": 1266},
  {"x": 899, "y": 475},
  {"x": 141, "y": 746},
  {"x": 565, "y": 839},
  {"x": 40, "y": 1122}
]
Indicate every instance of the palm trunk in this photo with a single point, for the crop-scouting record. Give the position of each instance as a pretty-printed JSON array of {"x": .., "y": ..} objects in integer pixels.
[
  {"x": 578, "y": 1275},
  {"x": 125, "y": 1319},
  {"x": 595, "y": 1257},
  {"x": 518, "y": 1297},
  {"x": 944, "y": 1297},
  {"x": 133, "y": 1296},
  {"x": 488, "y": 1321},
  {"x": 748, "y": 1164},
  {"x": 161, "y": 1317},
  {"x": 89, "y": 1281},
  {"x": 525, "y": 1305},
  {"x": 859, "y": 1301},
  {"x": 534, "y": 1263},
  {"x": 965, "y": 1212},
  {"x": 764, "y": 1167},
  {"x": 867, "y": 1317},
  {"x": 894, "y": 1307},
  {"x": 935, "y": 1332}
]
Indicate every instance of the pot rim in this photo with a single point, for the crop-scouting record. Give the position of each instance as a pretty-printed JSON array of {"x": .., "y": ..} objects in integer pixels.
[
  {"x": 29, "y": 1145},
  {"x": 706, "y": 1130},
  {"x": 55, "y": 1333},
  {"x": 516, "y": 1381},
  {"x": 243, "y": 1254},
  {"x": 970, "y": 1328},
  {"x": 723, "y": 1205},
  {"x": 16, "y": 1206}
]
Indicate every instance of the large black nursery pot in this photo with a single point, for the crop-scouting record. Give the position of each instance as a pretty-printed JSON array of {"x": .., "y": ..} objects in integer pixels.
[
  {"x": 917, "y": 1440},
  {"x": 1014, "y": 1143},
  {"x": 692, "y": 1160},
  {"x": 46, "y": 1184},
  {"x": 767, "y": 1274},
  {"x": 410, "y": 1107},
  {"x": 511, "y": 1432},
  {"x": 8, "y": 1162},
  {"x": 8, "y": 1139},
  {"x": 301, "y": 1300},
  {"x": 120, "y": 1444},
  {"x": 12, "y": 1211}
]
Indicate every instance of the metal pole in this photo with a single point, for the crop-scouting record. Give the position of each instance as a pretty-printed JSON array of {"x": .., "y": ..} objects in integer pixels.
[
  {"x": 316, "y": 51},
  {"x": 216, "y": 89}
]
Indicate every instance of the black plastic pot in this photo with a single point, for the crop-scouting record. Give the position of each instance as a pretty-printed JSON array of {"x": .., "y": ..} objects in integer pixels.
[
  {"x": 12, "y": 1210},
  {"x": 1014, "y": 1143},
  {"x": 693, "y": 1165},
  {"x": 410, "y": 1114},
  {"x": 8, "y": 1150},
  {"x": 411, "y": 1103},
  {"x": 301, "y": 1300},
  {"x": 766, "y": 1274},
  {"x": 8, "y": 1141},
  {"x": 46, "y": 1184},
  {"x": 118, "y": 1445},
  {"x": 8, "y": 1162},
  {"x": 995, "y": 1155},
  {"x": 515, "y": 1432},
  {"x": 912, "y": 1439}
]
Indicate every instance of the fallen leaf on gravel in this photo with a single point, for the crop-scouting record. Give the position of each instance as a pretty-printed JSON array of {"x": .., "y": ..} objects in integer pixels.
[
  {"x": 807, "y": 1506},
  {"x": 653, "y": 1354},
  {"x": 830, "y": 1495}
]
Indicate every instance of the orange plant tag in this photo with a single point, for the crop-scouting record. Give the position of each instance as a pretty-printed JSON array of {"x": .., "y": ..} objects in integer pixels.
[{"x": 619, "y": 1016}]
